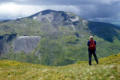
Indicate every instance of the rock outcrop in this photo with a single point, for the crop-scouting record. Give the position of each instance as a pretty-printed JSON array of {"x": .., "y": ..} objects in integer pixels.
[
  {"x": 5, "y": 42},
  {"x": 25, "y": 43},
  {"x": 18, "y": 43}
]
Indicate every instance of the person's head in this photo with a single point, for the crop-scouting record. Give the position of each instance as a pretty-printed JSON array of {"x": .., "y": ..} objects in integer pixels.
[{"x": 91, "y": 37}]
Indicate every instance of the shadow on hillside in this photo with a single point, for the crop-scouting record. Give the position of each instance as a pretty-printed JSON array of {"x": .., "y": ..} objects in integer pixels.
[{"x": 104, "y": 30}]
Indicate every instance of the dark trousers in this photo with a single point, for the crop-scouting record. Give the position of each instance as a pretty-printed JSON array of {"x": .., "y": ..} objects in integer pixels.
[{"x": 92, "y": 52}]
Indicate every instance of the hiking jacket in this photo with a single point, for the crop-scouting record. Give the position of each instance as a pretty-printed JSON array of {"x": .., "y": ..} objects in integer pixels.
[{"x": 88, "y": 44}]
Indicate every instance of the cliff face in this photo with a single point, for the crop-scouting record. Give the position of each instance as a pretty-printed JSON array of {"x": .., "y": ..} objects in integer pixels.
[
  {"x": 25, "y": 43},
  {"x": 5, "y": 42},
  {"x": 21, "y": 43}
]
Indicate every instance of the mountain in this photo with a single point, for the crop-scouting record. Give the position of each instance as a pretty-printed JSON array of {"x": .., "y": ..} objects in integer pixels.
[
  {"x": 54, "y": 37},
  {"x": 108, "y": 69}
]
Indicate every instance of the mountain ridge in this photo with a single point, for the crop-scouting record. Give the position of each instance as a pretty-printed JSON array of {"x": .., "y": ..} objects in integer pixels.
[{"x": 63, "y": 38}]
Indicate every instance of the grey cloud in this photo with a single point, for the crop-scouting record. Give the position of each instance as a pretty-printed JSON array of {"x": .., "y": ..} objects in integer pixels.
[
  {"x": 62, "y": 2},
  {"x": 88, "y": 9},
  {"x": 100, "y": 11}
]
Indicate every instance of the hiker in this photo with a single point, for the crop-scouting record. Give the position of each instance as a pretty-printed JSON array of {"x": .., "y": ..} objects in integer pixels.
[{"x": 92, "y": 50}]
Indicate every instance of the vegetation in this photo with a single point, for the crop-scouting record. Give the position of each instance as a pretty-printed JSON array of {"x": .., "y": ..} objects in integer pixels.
[
  {"x": 108, "y": 69},
  {"x": 63, "y": 51}
]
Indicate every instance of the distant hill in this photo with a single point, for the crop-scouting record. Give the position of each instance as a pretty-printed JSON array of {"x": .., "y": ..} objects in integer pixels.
[
  {"x": 108, "y": 69},
  {"x": 54, "y": 37}
]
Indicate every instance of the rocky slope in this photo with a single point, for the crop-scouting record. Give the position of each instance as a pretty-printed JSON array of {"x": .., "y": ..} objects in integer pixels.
[{"x": 26, "y": 43}]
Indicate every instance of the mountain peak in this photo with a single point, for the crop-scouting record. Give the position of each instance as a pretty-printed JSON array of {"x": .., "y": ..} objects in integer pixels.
[
  {"x": 47, "y": 11},
  {"x": 56, "y": 17},
  {"x": 44, "y": 12}
]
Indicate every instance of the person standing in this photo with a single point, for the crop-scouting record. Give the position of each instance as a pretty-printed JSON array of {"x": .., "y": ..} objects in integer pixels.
[{"x": 92, "y": 49}]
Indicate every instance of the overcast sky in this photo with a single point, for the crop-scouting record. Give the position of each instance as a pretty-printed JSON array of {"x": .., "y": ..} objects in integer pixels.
[{"x": 102, "y": 10}]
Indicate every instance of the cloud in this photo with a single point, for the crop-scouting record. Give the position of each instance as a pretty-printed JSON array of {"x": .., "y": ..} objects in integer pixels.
[
  {"x": 65, "y": 2},
  {"x": 88, "y": 9},
  {"x": 61, "y": 2},
  {"x": 12, "y": 10}
]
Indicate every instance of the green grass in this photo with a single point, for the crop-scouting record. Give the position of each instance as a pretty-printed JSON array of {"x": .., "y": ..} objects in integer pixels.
[{"x": 108, "y": 69}]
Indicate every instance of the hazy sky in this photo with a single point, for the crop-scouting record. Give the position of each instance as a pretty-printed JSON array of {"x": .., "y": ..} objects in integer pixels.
[{"x": 89, "y": 9}]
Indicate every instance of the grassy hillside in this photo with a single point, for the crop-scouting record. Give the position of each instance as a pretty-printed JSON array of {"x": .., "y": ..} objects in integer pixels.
[
  {"x": 108, "y": 69},
  {"x": 63, "y": 51}
]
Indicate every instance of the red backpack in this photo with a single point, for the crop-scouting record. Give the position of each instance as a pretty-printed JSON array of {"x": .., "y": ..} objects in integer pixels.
[{"x": 92, "y": 45}]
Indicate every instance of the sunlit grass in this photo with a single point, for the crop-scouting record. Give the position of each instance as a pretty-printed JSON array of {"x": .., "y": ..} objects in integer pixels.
[{"x": 108, "y": 69}]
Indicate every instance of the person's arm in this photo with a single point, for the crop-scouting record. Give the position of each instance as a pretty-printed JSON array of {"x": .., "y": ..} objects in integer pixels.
[
  {"x": 88, "y": 43},
  {"x": 95, "y": 42}
]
